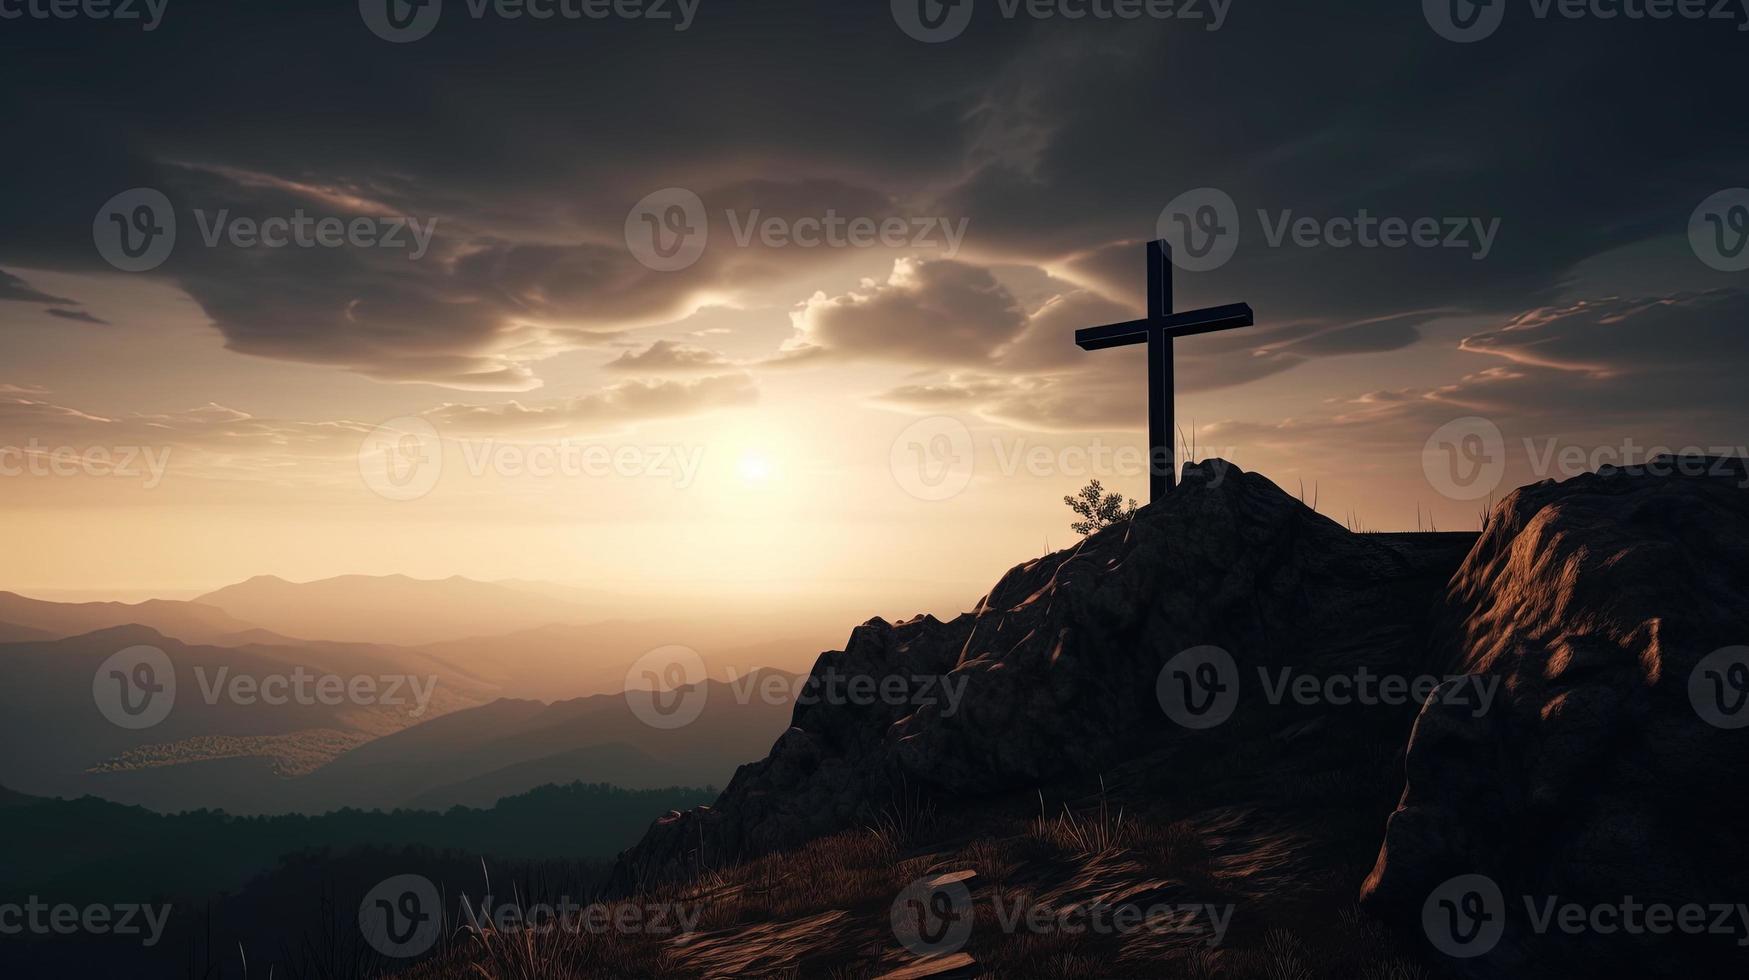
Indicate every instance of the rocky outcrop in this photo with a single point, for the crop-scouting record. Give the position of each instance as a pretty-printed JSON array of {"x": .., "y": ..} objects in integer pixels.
[
  {"x": 1055, "y": 672},
  {"x": 1607, "y": 769}
]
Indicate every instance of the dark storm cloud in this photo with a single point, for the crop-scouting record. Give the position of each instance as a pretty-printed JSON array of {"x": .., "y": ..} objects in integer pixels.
[{"x": 528, "y": 142}]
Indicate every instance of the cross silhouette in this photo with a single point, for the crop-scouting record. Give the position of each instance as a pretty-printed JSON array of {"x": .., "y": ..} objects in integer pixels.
[{"x": 1158, "y": 330}]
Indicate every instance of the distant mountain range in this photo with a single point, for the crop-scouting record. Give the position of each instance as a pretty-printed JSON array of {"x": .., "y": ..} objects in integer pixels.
[
  {"x": 401, "y": 610},
  {"x": 23, "y": 618},
  {"x": 488, "y": 730}
]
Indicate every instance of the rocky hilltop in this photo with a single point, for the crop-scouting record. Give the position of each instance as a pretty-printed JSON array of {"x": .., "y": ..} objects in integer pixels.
[{"x": 1058, "y": 668}]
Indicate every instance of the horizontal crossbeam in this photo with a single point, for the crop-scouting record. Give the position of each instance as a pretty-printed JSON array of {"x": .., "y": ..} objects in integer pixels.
[{"x": 1173, "y": 325}]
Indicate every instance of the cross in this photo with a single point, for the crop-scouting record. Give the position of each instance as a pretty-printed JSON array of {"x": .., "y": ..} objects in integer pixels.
[{"x": 1158, "y": 330}]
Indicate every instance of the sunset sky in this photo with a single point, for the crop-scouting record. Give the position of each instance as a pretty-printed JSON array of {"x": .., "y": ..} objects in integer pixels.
[{"x": 761, "y": 409}]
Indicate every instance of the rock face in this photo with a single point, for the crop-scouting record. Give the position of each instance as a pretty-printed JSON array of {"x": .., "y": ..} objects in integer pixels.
[
  {"x": 1055, "y": 672},
  {"x": 1605, "y": 769}
]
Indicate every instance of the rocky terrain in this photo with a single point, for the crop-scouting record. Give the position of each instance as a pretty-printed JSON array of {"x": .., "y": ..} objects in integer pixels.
[
  {"x": 1567, "y": 752},
  {"x": 1608, "y": 606},
  {"x": 1060, "y": 663}
]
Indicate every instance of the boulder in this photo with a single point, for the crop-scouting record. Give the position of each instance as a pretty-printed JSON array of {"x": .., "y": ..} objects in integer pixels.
[{"x": 1607, "y": 770}]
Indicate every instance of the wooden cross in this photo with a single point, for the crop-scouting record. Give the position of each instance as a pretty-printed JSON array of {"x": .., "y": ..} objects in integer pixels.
[{"x": 1158, "y": 330}]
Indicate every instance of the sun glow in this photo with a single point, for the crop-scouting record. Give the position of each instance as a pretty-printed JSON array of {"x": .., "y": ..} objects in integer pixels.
[{"x": 754, "y": 469}]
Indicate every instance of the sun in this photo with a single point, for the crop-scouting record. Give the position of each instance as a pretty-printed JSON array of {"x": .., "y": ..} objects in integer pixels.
[{"x": 754, "y": 469}]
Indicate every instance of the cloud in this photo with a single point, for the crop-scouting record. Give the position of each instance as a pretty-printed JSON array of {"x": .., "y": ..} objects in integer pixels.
[
  {"x": 668, "y": 356},
  {"x": 14, "y": 288},
  {"x": 1623, "y": 337},
  {"x": 930, "y": 311},
  {"x": 1659, "y": 368},
  {"x": 79, "y": 316},
  {"x": 1036, "y": 137},
  {"x": 616, "y": 405},
  {"x": 1016, "y": 361}
]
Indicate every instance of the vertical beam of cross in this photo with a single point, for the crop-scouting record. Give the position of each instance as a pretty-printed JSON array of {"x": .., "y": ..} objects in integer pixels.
[
  {"x": 1162, "y": 473},
  {"x": 1160, "y": 328}
]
